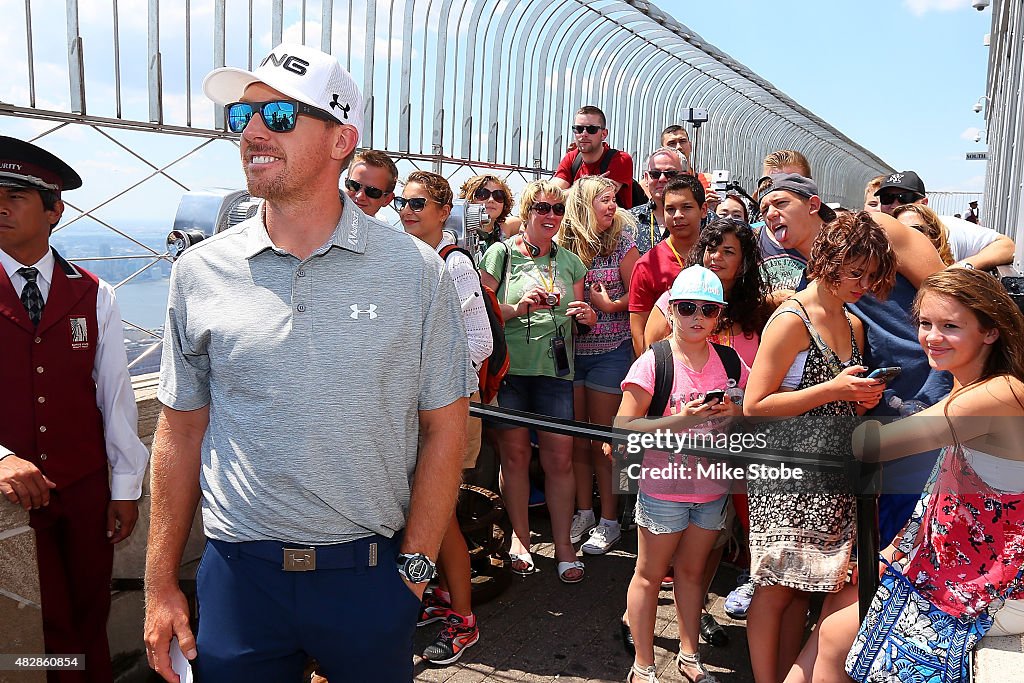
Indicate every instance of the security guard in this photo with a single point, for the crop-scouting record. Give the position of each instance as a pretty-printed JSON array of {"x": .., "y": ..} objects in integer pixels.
[{"x": 69, "y": 449}]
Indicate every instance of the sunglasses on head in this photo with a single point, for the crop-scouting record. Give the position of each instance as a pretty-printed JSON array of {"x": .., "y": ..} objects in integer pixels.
[
  {"x": 688, "y": 308},
  {"x": 898, "y": 197},
  {"x": 483, "y": 194},
  {"x": 279, "y": 116},
  {"x": 669, "y": 175},
  {"x": 414, "y": 203},
  {"x": 370, "y": 191},
  {"x": 590, "y": 129},
  {"x": 544, "y": 208}
]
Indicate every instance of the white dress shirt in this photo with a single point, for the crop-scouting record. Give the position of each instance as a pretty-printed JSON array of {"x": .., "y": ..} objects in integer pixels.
[{"x": 114, "y": 394}]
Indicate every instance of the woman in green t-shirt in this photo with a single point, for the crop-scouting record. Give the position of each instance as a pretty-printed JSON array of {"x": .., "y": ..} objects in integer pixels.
[{"x": 540, "y": 288}]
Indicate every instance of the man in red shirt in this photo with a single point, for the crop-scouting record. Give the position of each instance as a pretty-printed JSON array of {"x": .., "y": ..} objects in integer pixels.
[
  {"x": 654, "y": 272},
  {"x": 595, "y": 156}
]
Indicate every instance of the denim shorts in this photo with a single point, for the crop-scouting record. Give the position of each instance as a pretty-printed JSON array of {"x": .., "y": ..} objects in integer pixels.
[
  {"x": 543, "y": 395},
  {"x": 670, "y": 517},
  {"x": 604, "y": 372}
]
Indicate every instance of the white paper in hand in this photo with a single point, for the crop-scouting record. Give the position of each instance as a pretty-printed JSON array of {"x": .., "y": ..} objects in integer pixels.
[{"x": 180, "y": 665}]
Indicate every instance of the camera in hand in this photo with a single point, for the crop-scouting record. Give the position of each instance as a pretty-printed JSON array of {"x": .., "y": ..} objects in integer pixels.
[{"x": 553, "y": 299}]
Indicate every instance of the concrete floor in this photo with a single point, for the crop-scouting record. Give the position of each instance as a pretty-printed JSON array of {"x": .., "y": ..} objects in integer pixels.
[{"x": 540, "y": 629}]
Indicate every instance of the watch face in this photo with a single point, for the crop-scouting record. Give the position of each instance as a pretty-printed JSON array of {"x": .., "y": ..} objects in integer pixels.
[{"x": 418, "y": 569}]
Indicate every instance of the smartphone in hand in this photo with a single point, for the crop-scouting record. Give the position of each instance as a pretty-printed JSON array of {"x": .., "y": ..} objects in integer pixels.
[
  {"x": 885, "y": 375},
  {"x": 714, "y": 397}
]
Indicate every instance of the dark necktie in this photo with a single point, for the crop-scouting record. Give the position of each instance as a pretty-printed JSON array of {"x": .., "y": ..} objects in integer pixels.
[{"x": 31, "y": 297}]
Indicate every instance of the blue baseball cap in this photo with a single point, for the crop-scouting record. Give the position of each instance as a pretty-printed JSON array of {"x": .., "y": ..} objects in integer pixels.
[{"x": 697, "y": 283}]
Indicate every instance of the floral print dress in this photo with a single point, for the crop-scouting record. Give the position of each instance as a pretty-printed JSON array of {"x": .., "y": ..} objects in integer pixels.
[
  {"x": 972, "y": 541},
  {"x": 802, "y": 533}
]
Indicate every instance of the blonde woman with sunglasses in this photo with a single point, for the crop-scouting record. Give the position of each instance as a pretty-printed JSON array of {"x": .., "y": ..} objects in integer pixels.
[{"x": 540, "y": 288}]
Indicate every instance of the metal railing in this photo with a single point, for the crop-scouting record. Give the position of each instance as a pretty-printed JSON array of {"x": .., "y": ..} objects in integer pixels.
[
  {"x": 952, "y": 203},
  {"x": 1004, "y": 115},
  {"x": 456, "y": 87}
]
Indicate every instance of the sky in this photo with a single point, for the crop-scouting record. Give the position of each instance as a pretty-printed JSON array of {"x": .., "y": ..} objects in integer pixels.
[{"x": 899, "y": 77}]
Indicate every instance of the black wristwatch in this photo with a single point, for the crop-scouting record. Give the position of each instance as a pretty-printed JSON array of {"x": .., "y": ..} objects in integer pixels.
[{"x": 416, "y": 568}]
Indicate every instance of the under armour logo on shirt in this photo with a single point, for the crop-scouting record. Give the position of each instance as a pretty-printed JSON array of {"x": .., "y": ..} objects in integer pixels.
[{"x": 371, "y": 311}]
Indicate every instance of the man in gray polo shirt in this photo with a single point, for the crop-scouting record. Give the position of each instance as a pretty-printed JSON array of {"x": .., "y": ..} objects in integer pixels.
[{"x": 305, "y": 351}]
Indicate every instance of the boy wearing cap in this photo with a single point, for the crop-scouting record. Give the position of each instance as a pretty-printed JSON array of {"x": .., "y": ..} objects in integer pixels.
[
  {"x": 793, "y": 214},
  {"x": 973, "y": 245},
  {"x": 69, "y": 409},
  {"x": 323, "y": 518}
]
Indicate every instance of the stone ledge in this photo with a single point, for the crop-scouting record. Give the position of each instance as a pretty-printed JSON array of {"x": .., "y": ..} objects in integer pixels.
[{"x": 999, "y": 659}]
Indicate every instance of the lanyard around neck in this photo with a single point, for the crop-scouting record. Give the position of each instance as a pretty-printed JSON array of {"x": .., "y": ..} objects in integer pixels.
[
  {"x": 548, "y": 284},
  {"x": 675, "y": 253}
]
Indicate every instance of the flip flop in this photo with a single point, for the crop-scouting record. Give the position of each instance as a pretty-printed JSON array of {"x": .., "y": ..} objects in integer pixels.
[
  {"x": 525, "y": 562},
  {"x": 564, "y": 567}
]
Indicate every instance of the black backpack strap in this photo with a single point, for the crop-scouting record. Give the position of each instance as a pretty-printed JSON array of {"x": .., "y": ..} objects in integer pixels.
[
  {"x": 664, "y": 376},
  {"x": 577, "y": 163},
  {"x": 505, "y": 263},
  {"x": 730, "y": 360},
  {"x": 606, "y": 160}
]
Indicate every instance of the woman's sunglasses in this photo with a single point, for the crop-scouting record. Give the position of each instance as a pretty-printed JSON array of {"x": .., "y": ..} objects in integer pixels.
[
  {"x": 544, "y": 208},
  {"x": 688, "y": 308},
  {"x": 414, "y": 203},
  {"x": 370, "y": 191},
  {"x": 278, "y": 116},
  {"x": 483, "y": 194}
]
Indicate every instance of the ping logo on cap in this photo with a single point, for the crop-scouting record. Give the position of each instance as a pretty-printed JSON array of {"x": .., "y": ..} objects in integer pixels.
[{"x": 288, "y": 63}]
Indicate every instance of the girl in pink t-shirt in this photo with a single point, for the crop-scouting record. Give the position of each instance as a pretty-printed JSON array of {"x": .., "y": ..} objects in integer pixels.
[{"x": 681, "y": 505}]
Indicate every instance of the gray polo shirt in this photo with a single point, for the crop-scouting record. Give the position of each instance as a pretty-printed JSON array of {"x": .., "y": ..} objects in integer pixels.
[{"x": 314, "y": 371}]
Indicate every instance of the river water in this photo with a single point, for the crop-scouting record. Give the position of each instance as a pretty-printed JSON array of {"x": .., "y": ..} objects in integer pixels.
[{"x": 144, "y": 303}]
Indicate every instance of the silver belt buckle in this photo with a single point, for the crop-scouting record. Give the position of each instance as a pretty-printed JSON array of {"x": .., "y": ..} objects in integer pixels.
[{"x": 299, "y": 559}]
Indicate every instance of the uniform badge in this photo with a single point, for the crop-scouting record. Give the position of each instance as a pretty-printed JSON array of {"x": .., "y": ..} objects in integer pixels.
[{"x": 79, "y": 333}]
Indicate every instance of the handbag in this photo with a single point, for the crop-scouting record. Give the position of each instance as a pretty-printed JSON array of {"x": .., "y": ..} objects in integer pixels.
[{"x": 904, "y": 637}]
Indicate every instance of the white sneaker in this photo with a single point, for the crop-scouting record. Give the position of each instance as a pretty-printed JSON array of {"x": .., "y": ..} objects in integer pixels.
[
  {"x": 582, "y": 522},
  {"x": 602, "y": 538}
]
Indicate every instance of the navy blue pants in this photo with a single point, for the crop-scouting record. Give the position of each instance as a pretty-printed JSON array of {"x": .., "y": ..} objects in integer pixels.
[{"x": 260, "y": 623}]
